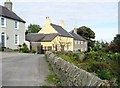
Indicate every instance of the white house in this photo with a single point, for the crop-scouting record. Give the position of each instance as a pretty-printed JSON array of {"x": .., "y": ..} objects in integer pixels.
[{"x": 12, "y": 27}]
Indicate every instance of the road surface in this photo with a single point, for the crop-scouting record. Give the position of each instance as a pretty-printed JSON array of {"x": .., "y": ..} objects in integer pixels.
[{"x": 23, "y": 69}]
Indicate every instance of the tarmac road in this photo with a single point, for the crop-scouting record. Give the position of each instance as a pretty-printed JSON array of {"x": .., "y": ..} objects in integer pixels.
[{"x": 20, "y": 69}]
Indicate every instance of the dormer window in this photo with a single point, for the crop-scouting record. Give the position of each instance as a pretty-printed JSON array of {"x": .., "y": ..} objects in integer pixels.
[
  {"x": 3, "y": 22},
  {"x": 16, "y": 25}
]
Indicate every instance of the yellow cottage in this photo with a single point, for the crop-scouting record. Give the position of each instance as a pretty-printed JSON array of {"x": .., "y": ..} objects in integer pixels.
[{"x": 52, "y": 37}]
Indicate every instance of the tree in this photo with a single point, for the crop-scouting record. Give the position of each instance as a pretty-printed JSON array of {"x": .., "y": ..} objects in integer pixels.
[
  {"x": 88, "y": 34},
  {"x": 117, "y": 40},
  {"x": 115, "y": 45},
  {"x": 34, "y": 28}
]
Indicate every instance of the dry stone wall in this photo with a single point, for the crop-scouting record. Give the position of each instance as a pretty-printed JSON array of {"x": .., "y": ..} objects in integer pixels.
[{"x": 71, "y": 75}]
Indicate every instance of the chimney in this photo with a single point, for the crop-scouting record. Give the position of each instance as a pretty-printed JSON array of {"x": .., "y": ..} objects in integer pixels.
[
  {"x": 47, "y": 21},
  {"x": 62, "y": 24},
  {"x": 75, "y": 31},
  {"x": 8, "y": 4}
]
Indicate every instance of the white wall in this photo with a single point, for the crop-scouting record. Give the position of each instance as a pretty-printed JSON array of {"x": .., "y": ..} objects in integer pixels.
[{"x": 11, "y": 31}]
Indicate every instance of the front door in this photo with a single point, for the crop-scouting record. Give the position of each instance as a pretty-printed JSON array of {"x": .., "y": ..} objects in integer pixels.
[{"x": 3, "y": 40}]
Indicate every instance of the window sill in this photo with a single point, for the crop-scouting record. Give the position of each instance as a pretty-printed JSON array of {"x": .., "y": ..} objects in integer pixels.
[
  {"x": 16, "y": 44},
  {"x": 3, "y": 26},
  {"x": 16, "y": 28}
]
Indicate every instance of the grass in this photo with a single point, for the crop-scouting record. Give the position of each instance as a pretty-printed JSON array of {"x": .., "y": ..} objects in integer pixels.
[{"x": 52, "y": 78}]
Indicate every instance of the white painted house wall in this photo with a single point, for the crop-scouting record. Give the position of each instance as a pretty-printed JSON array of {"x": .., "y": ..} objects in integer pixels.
[{"x": 10, "y": 32}]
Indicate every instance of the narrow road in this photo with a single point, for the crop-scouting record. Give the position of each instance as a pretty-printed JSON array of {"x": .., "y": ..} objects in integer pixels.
[{"x": 23, "y": 69}]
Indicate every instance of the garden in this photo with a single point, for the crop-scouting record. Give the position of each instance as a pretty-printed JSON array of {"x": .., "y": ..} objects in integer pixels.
[{"x": 101, "y": 61}]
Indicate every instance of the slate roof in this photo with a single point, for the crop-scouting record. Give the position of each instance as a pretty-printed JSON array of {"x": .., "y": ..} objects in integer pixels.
[
  {"x": 40, "y": 37},
  {"x": 49, "y": 37},
  {"x": 9, "y": 14},
  {"x": 61, "y": 31},
  {"x": 77, "y": 37},
  {"x": 34, "y": 37}
]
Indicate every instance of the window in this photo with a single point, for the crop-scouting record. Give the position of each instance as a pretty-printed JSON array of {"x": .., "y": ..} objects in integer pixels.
[
  {"x": 81, "y": 42},
  {"x": 16, "y": 25},
  {"x": 49, "y": 48},
  {"x": 16, "y": 39},
  {"x": 3, "y": 22},
  {"x": 75, "y": 42}
]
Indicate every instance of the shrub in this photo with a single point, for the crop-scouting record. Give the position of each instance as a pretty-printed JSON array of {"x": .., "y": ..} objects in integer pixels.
[
  {"x": 105, "y": 74},
  {"x": 114, "y": 47},
  {"x": 24, "y": 49},
  {"x": 88, "y": 56}
]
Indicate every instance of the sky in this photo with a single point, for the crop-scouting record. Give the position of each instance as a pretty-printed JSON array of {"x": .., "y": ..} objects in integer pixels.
[{"x": 100, "y": 16}]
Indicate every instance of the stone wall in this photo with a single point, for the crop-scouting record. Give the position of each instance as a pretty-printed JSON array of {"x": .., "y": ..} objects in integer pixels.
[{"x": 71, "y": 75}]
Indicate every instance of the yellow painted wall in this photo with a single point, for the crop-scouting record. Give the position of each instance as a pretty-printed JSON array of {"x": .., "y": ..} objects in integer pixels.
[
  {"x": 47, "y": 29},
  {"x": 64, "y": 40},
  {"x": 60, "y": 39}
]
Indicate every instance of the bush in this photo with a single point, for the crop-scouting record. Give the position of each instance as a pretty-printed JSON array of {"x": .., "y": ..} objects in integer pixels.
[
  {"x": 105, "y": 74},
  {"x": 114, "y": 47},
  {"x": 88, "y": 56},
  {"x": 69, "y": 56},
  {"x": 24, "y": 49}
]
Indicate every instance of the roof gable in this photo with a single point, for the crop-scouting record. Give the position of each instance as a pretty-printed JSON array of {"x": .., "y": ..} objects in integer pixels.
[{"x": 9, "y": 14}]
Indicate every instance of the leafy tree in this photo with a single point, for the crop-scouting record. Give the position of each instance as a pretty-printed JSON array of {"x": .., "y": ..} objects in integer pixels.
[
  {"x": 117, "y": 40},
  {"x": 115, "y": 45},
  {"x": 88, "y": 34},
  {"x": 34, "y": 28}
]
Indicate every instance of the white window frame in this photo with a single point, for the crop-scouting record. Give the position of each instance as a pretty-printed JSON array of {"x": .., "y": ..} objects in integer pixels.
[
  {"x": 4, "y": 22},
  {"x": 17, "y": 43},
  {"x": 16, "y": 26},
  {"x": 81, "y": 42},
  {"x": 75, "y": 42}
]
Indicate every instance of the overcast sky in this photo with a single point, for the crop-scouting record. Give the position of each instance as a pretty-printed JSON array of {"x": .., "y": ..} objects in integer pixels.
[{"x": 100, "y": 16}]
